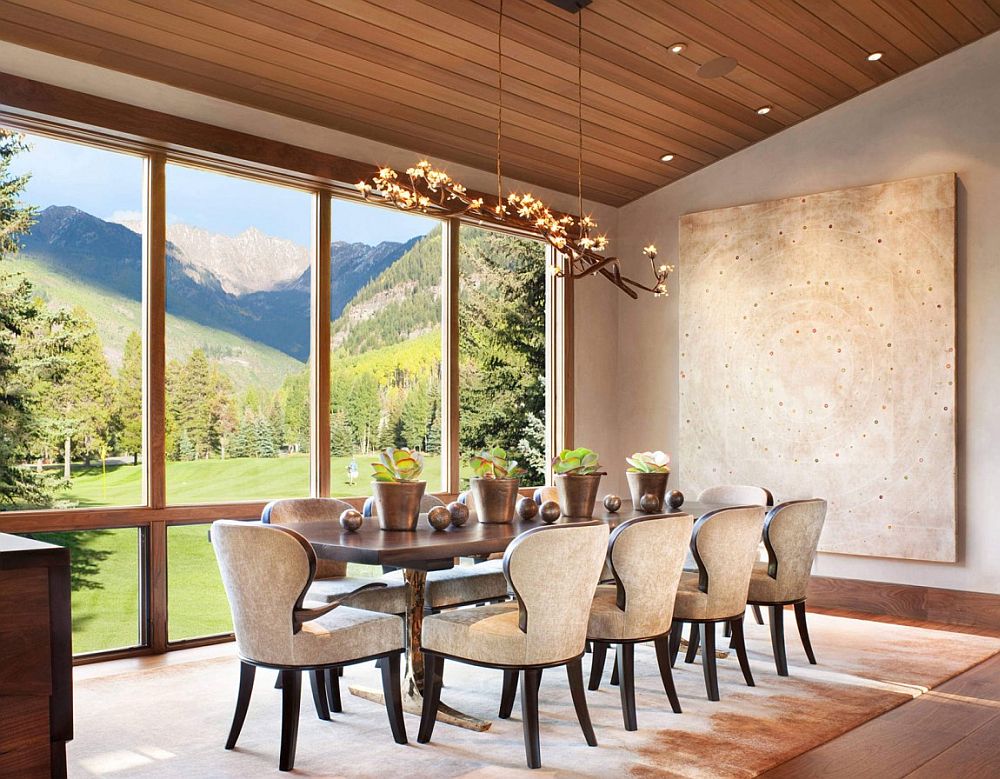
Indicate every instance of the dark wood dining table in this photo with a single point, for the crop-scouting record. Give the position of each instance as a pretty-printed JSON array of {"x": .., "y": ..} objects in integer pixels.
[{"x": 425, "y": 549}]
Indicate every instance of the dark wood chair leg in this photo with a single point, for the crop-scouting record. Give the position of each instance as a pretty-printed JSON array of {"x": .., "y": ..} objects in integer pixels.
[
  {"x": 727, "y": 631},
  {"x": 574, "y": 671},
  {"x": 393, "y": 697},
  {"x": 317, "y": 680},
  {"x": 597, "y": 664},
  {"x": 432, "y": 696},
  {"x": 614, "y": 672},
  {"x": 247, "y": 673},
  {"x": 277, "y": 682},
  {"x": 529, "y": 717},
  {"x": 662, "y": 645},
  {"x": 756, "y": 613},
  {"x": 693, "y": 640},
  {"x": 626, "y": 675},
  {"x": 291, "y": 693},
  {"x": 509, "y": 691},
  {"x": 740, "y": 645},
  {"x": 538, "y": 679},
  {"x": 708, "y": 662},
  {"x": 676, "y": 630},
  {"x": 778, "y": 639},
  {"x": 333, "y": 689},
  {"x": 800, "y": 619}
]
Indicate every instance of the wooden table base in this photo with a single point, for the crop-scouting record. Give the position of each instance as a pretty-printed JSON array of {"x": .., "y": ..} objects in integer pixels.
[{"x": 413, "y": 678}]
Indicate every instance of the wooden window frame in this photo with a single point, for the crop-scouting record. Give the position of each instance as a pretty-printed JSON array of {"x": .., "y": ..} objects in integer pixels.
[{"x": 161, "y": 139}]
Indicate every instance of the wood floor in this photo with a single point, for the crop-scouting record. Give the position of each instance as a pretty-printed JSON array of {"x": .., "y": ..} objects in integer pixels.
[{"x": 951, "y": 731}]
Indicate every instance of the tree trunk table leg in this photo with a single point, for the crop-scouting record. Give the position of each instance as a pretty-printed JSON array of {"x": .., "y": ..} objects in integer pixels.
[{"x": 413, "y": 679}]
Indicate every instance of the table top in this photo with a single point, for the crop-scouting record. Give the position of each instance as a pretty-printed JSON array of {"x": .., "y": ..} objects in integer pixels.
[{"x": 429, "y": 549}]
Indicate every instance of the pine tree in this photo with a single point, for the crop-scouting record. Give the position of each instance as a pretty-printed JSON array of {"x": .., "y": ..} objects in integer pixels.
[
  {"x": 433, "y": 445},
  {"x": 263, "y": 433},
  {"x": 185, "y": 447},
  {"x": 341, "y": 444},
  {"x": 194, "y": 402},
  {"x": 128, "y": 397},
  {"x": 364, "y": 410},
  {"x": 415, "y": 417},
  {"x": 225, "y": 420}
]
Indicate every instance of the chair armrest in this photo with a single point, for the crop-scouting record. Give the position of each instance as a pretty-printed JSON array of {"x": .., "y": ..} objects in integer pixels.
[{"x": 302, "y": 615}]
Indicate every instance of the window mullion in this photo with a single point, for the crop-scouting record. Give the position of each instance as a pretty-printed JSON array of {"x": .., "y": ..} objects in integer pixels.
[
  {"x": 319, "y": 383},
  {"x": 449, "y": 356}
]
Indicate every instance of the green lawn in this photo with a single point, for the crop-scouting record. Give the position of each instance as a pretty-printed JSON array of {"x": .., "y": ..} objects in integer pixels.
[{"x": 107, "y": 618}]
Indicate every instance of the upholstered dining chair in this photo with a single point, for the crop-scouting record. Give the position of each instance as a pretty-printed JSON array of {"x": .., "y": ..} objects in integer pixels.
[
  {"x": 545, "y": 628},
  {"x": 645, "y": 555},
  {"x": 462, "y": 585},
  {"x": 724, "y": 545},
  {"x": 791, "y": 535},
  {"x": 266, "y": 571},
  {"x": 739, "y": 494}
]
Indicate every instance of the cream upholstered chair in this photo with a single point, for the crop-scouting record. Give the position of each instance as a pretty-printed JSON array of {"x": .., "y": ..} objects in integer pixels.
[
  {"x": 645, "y": 555},
  {"x": 724, "y": 544},
  {"x": 791, "y": 535},
  {"x": 266, "y": 571},
  {"x": 739, "y": 494},
  {"x": 546, "y": 627},
  {"x": 332, "y": 582},
  {"x": 459, "y": 586}
]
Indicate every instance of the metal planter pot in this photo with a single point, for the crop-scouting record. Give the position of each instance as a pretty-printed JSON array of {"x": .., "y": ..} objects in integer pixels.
[
  {"x": 578, "y": 494},
  {"x": 398, "y": 503},
  {"x": 494, "y": 499},
  {"x": 640, "y": 484}
]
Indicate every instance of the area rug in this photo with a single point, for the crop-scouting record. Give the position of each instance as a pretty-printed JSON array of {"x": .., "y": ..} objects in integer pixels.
[{"x": 172, "y": 721}]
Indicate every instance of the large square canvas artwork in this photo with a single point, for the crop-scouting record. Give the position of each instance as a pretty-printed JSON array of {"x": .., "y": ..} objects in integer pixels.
[{"x": 817, "y": 358}]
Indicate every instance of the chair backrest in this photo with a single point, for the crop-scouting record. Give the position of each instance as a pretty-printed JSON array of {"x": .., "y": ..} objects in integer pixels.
[
  {"x": 791, "y": 535},
  {"x": 553, "y": 571},
  {"x": 739, "y": 494},
  {"x": 266, "y": 570},
  {"x": 280, "y": 512},
  {"x": 427, "y": 502},
  {"x": 724, "y": 545},
  {"x": 646, "y": 556}
]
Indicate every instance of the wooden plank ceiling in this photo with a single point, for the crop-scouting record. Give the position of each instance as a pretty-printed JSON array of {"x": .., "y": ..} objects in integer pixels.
[{"x": 422, "y": 74}]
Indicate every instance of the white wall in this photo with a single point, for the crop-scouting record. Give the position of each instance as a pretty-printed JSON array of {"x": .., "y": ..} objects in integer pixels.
[
  {"x": 942, "y": 117},
  {"x": 596, "y": 302}
]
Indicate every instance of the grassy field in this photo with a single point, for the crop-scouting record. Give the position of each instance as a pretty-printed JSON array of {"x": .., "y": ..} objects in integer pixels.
[{"x": 108, "y": 617}]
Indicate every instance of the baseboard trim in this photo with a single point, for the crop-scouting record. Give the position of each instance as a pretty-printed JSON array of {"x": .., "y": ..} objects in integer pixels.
[{"x": 908, "y": 601}]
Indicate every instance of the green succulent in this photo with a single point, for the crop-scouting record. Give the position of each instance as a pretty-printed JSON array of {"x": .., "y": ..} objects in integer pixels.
[
  {"x": 398, "y": 465},
  {"x": 494, "y": 464},
  {"x": 578, "y": 462},
  {"x": 649, "y": 462}
]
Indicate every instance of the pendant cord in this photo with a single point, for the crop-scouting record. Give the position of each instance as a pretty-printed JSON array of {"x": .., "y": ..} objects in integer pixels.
[
  {"x": 579, "y": 112},
  {"x": 499, "y": 104}
]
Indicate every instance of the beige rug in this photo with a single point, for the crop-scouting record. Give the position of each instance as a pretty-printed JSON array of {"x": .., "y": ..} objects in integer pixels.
[{"x": 172, "y": 721}]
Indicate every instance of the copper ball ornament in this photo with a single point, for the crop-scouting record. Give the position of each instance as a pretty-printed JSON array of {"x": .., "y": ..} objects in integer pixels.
[
  {"x": 527, "y": 509},
  {"x": 439, "y": 517},
  {"x": 612, "y": 503},
  {"x": 549, "y": 511},
  {"x": 351, "y": 520},
  {"x": 650, "y": 503},
  {"x": 458, "y": 512},
  {"x": 675, "y": 499}
]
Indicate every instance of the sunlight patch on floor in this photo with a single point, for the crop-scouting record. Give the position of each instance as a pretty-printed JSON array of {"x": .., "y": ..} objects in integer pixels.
[{"x": 124, "y": 760}]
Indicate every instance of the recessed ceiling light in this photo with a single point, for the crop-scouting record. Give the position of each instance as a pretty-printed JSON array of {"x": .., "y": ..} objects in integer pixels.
[
  {"x": 875, "y": 56},
  {"x": 677, "y": 48},
  {"x": 764, "y": 109},
  {"x": 666, "y": 158}
]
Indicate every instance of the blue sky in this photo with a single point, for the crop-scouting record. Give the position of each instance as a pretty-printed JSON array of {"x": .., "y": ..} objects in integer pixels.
[{"x": 109, "y": 185}]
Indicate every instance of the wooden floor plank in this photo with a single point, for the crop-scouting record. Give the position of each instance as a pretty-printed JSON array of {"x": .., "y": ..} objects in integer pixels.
[{"x": 976, "y": 755}]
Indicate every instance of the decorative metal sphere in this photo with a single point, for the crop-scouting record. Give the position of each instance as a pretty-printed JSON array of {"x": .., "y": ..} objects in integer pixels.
[
  {"x": 459, "y": 513},
  {"x": 351, "y": 519},
  {"x": 650, "y": 503},
  {"x": 675, "y": 499},
  {"x": 439, "y": 517},
  {"x": 612, "y": 503},
  {"x": 527, "y": 509},
  {"x": 550, "y": 511}
]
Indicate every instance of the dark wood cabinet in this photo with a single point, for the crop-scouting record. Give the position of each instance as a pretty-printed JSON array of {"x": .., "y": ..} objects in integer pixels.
[{"x": 36, "y": 658}]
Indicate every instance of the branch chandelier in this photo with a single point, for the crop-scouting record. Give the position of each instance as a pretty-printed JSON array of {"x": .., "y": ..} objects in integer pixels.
[{"x": 428, "y": 190}]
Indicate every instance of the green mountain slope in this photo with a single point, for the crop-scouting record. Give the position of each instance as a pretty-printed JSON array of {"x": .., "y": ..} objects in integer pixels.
[{"x": 247, "y": 363}]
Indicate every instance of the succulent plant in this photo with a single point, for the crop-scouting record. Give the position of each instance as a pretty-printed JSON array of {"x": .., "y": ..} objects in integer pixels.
[
  {"x": 494, "y": 464},
  {"x": 398, "y": 465},
  {"x": 649, "y": 462},
  {"x": 576, "y": 462}
]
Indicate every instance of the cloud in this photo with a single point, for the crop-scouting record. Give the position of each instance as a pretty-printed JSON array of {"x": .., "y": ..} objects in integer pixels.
[{"x": 125, "y": 217}]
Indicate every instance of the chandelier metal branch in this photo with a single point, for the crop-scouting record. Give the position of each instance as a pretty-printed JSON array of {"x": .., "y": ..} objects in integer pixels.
[{"x": 429, "y": 190}]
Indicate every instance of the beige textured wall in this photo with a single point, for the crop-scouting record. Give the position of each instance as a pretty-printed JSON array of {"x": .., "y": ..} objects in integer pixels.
[
  {"x": 596, "y": 302},
  {"x": 943, "y": 117}
]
